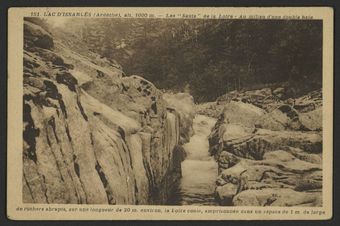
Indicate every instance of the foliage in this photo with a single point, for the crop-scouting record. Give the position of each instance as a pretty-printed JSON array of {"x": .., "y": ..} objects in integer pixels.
[{"x": 212, "y": 57}]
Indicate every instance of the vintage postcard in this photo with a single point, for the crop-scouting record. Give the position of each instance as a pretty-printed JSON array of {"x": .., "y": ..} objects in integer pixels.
[{"x": 170, "y": 113}]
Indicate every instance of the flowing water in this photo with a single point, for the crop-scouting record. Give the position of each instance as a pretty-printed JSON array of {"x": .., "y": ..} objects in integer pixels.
[{"x": 199, "y": 169}]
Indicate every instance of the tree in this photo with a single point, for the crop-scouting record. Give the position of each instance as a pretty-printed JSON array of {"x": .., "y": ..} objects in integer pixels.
[{"x": 213, "y": 56}]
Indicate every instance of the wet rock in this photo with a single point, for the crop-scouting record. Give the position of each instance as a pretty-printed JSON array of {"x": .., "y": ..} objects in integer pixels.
[{"x": 183, "y": 103}]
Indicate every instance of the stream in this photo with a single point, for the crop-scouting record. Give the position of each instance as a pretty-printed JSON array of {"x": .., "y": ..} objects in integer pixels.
[{"x": 199, "y": 169}]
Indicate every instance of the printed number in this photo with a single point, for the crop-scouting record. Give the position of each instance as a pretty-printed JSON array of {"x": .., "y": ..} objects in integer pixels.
[
  {"x": 141, "y": 15},
  {"x": 34, "y": 13}
]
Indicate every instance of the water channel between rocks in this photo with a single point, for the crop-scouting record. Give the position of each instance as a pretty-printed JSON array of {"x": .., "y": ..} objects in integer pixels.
[{"x": 199, "y": 169}]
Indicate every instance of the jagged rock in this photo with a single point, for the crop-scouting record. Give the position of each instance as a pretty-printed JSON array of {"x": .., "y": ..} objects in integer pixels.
[
  {"x": 254, "y": 146},
  {"x": 251, "y": 96},
  {"x": 300, "y": 154},
  {"x": 237, "y": 120},
  {"x": 237, "y": 134},
  {"x": 282, "y": 118},
  {"x": 286, "y": 117},
  {"x": 113, "y": 118},
  {"x": 226, "y": 160},
  {"x": 110, "y": 141},
  {"x": 263, "y": 98},
  {"x": 211, "y": 109},
  {"x": 280, "y": 165},
  {"x": 279, "y": 92},
  {"x": 309, "y": 102},
  {"x": 225, "y": 194},
  {"x": 36, "y": 36},
  {"x": 270, "y": 100},
  {"x": 312, "y": 120},
  {"x": 278, "y": 169},
  {"x": 140, "y": 101},
  {"x": 276, "y": 197},
  {"x": 183, "y": 103}
]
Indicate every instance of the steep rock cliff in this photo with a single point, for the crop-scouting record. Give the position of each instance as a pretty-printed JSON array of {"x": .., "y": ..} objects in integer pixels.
[{"x": 90, "y": 134}]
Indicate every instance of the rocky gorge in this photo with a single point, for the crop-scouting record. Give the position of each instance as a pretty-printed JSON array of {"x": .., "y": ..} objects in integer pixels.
[
  {"x": 91, "y": 134},
  {"x": 94, "y": 135}
]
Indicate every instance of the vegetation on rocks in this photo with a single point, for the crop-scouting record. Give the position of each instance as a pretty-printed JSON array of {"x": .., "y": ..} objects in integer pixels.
[{"x": 210, "y": 57}]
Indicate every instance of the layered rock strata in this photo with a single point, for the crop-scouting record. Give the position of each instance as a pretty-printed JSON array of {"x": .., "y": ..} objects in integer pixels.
[
  {"x": 92, "y": 136},
  {"x": 268, "y": 157}
]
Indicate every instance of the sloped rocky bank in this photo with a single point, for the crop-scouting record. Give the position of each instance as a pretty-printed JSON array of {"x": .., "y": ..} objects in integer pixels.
[
  {"x": 268, "y": 149},
  {"x": 92, "y": 135}
]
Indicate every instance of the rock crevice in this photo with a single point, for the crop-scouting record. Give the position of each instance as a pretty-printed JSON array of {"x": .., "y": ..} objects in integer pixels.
[{"x": 116, "y": 141}]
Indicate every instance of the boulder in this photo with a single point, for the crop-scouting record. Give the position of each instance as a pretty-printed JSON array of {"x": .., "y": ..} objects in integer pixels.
[
  {"x": 278, "y": 170},
  {"x": 276, "y": 197},
  {"x": 241, "y": 113},
  {"x": 267, "y": 157},
  {"x": 312, "y": 120},
  {"x": 286, "y": 117},
  {"x": 225, "y": 194},
  {"x": 226, "y": 160},
  {"x": 254, "y": 146},
  {"x": 309, "y": 102}
]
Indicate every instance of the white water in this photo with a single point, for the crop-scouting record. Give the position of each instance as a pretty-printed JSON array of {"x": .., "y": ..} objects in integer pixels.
[{"x": 199, "y": 169}]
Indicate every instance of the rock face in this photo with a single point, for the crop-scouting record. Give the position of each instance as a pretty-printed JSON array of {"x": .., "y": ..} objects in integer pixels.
[
  {"x": 263, "y": 98},
  {"x": 211, "y": 109},
  {"x": 184, "y": 104},
  {"x": 91, "y": 135},
  {"x": 269, "y": 156}
]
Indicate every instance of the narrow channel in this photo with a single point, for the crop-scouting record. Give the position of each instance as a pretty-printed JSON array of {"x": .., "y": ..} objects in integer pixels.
[{"x": 199, "y": 169}]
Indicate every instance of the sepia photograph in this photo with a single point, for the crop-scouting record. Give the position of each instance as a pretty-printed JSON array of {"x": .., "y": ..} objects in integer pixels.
[{"x": 172, "y": 110}]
